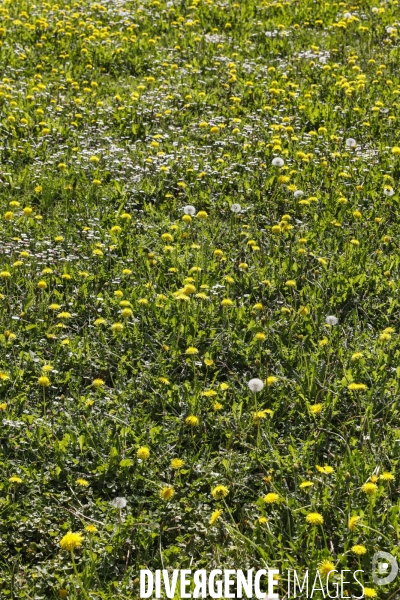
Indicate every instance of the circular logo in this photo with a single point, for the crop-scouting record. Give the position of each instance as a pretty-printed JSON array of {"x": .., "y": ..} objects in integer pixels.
[{"x": 383, "y": 567}]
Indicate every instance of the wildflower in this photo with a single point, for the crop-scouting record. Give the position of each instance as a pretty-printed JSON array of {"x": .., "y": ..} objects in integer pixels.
[
  {"x": 359, "y": 549},
  {"x": 326, "y": 469},
  {"x": 71, "y": 541},
  {"x": 91, "y": 528},
  {"x": 356, "y": 386},
  {"x": 261, "y": 414},
  {"x": 15, "y": 479},
  {"x": 314, "y": 518},
  {"x": 42, "y": 285},
  {"x": 356, "y": 356},
  {"x": 315, "y": 409},
  {"x": 97, "y": 383},
  {"x": 303, "y": 311},
  {"x": 331, "y": 320},
  {"x": 351, "y": 143},
  {"x": 271, "y": 380},
  {"x": 354, "y": 522},
  {"x": 369, "y": 488},
  {"x": 119, "y": 502},
  {"x": 263, "y": 520},
  {"x": 219, "y": 492},
  {"x": 260, "y": 337},
  {"x": 82, "y": 482},
  {"x": 177, "y": 463},
  {"x": 191, "y": 351},
  {"x": 278, "y": 162},
  {"x": 236, "y": 208},
  {"x": 370, "y": 593},
  {"x": 215, "y": 516},
  {"x": 116, "y": 327},
  {"x": 44, "y": 381},
  {"x": 209, "y": 393},
  {"x": 99, "y": 321},
  {"x": 217, "y": 406},
  {"x": 387, "y": 476},
  {"x": 226, "y": 302},
  {"x": 306, "y": 484},
  {"x": 388, "y": 190},
  {"x": 325, "y": 567},
  {"x": 202, "y": 214},
  {"x": 192, "y": 420},
  {"x": 143, "y": 453},
  {"x": 290, "y": 283},
  {"x": 255, "y": 385},
  {"x": 189, "y": 210},
  {"x": 64, "y": 315},
  {"x": 271, "y": 498},
  {"x": 167, "y": 492}
]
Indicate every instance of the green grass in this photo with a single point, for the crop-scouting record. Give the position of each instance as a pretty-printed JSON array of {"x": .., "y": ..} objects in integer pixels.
[{"x": 113, "y": 118}]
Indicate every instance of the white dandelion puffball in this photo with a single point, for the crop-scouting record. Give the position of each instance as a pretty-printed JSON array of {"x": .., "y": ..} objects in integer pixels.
[
  {"x": 119, "y": 502},
  {"x": 278, "y": 162},
  {"x": 347, "y": 15},
  {"x": 236, "y": 208},
  {"x": 189, "y": 210},
  {"x": 351, "y": 143},
  {"x": 388, "y": 191},
  {"x": 298, "y": 193},
  {"x": 255, "y": 385},
  {"x": 331, "y": 320}
]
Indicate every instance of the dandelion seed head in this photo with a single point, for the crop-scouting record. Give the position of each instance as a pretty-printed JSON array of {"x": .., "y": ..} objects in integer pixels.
[
  {"x": 255, "y": 385},
  {"x": 119, "y": 502}
]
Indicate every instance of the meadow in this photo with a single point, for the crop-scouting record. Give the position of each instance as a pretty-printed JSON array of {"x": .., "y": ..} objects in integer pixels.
[{"x": 199, "y": 277}]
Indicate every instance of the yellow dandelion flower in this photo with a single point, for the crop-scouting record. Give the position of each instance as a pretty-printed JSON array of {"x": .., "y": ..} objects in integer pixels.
[
  {"x": 167, "y": 492},
  {"x": 215, "y": 516},
  {"x": 191, "y": 351},
  {"x": 271, "y": 498},
  {"x": 97, "y": 383},
  {"x": 354, "y": 522},
  {"x": 143, "y": 453},
  {"x": 314, "y": 518},
  {"x": 359, "y": 549},
  {"x": 369, "y": 488},
  {"x": 305, "y": 485},
  {"x": 219, "y": 492},
  {"x": 15, "y": 479},
  {"x": 82, "y": 482},
  {"x": 325, "y": 567},
  {"x": 387, "y": 476},
  {"x": 71, "y": 541}
]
